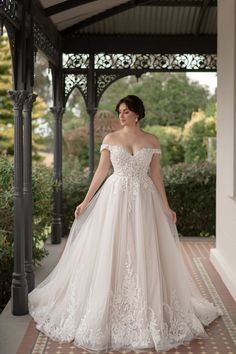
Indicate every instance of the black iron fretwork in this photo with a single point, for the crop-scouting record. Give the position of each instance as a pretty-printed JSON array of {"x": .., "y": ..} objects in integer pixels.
[
  {"x": 110, "y": 67},
  {"x": 156, "y": 62},
  {"x": 103, "y": 82},
  {"x": 75, "y": 80},
  {"x": 76, "y": 61},
  {"x": 150, "y": 62},
  {"x": 12, "y": 10},
  {"x": 42, "y": 42}
]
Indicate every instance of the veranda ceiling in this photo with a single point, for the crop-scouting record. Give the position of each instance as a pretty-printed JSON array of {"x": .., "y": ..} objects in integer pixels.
[{"x": 190, "y": 25}]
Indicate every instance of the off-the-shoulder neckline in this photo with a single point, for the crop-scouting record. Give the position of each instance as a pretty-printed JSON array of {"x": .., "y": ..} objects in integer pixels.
[{"x": 128, "y": 152}]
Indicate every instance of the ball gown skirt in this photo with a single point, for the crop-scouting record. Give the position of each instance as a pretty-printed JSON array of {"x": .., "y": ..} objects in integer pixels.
[{"x": 121, "y": 282}]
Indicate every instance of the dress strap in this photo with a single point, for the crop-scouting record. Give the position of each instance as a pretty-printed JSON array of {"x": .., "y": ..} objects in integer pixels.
[
  {"x": 104, "y": 146},
  {"x": 157, "y": 151}
]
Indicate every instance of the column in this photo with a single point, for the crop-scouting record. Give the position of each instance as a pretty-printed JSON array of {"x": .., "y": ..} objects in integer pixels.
[
  {"x": 91, "y": 109},
  {"x": 91, "y": 112},
  {"x": 57, "y": 194},
  {"x": 27, "y": 187},
  {"x": 19, "y": 283},
  {"x": 223, "y": 256}
]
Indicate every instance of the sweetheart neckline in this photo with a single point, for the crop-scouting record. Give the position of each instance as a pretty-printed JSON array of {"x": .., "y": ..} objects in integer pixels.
[{"x": 132, "y": 155}]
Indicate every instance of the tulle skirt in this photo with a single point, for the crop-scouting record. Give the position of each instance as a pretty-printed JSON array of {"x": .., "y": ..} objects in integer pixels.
[{"x": 121, "y": 282}]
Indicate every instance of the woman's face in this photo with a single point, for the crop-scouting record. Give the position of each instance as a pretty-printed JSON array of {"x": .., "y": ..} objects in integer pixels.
[{"x": 126, "y": 116}]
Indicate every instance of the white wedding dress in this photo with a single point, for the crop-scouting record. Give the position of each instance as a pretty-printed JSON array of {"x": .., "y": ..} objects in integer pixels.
[{"x": 121, "y": 282}]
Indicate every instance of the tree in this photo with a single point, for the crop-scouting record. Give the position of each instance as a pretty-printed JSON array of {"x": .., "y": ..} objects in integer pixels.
[
  {"x": 194, "y": 137},
  {"x": 6, "y": 111},
  {"x": 169, "y": 98}
]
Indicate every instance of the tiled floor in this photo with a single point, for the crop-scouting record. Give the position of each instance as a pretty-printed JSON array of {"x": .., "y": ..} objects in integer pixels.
[{"x": 221, "y": 332}]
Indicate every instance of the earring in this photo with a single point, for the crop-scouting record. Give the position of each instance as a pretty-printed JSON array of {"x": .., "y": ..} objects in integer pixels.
[{"x": 136, "y": 120}]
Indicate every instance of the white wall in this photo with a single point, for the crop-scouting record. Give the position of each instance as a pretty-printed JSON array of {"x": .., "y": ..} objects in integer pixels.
[{"x": 223, "y": 256}]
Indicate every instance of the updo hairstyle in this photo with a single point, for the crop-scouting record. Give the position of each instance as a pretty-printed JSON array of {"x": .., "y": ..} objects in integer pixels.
[{"x": 134, "y": 103}]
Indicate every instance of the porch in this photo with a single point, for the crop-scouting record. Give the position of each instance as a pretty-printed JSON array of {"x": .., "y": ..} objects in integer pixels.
[{"x": 18, "y": 334}]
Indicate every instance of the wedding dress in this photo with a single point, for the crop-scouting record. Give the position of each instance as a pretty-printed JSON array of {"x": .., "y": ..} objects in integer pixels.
[{"x": 121, "y": 282}]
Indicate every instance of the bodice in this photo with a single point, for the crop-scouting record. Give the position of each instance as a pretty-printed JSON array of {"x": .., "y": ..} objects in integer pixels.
[{"x": 127, "y": 165}]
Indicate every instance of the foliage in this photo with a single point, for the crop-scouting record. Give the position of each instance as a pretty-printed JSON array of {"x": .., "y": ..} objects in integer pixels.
[
  {"x": 6, "y": 106},
  {"x": 42, "y": 218},
  {"x": 194, "y": 136},
  {"x": 169, "y": 98},
  {"x": 170, "y": 140},
  {"x": 6, "y": 112},
  {"x": 75, "y": 186},
  {"x": 191, "y": 190}
]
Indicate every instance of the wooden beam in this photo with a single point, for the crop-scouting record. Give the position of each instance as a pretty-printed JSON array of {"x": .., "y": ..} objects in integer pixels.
[
  {"x": 180, "y": 3},
  {"x": 65, "y": 5},
  {"x": 140, "y": 44},
  {"x": 105, "y": 14},
  {"x": 201, "y": 15}
]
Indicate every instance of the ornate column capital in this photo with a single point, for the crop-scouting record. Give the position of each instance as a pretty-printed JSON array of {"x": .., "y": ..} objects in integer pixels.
[
  {"x": 29, "y": 101},
  {"x": 18, "y": 97},
  {"x": 58, "y": 111}
]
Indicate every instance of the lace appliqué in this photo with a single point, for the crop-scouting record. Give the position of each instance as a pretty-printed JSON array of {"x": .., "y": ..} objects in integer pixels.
[
  {"x": 136, "y": 323},
  {"x": 130, "y": 171},
  {"x": 63, "y": 327},
  {"x": 131, "y": 323}
]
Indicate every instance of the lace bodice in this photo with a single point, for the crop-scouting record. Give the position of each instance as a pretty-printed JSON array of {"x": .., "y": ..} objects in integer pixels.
[{"x": 127, "y": 165}]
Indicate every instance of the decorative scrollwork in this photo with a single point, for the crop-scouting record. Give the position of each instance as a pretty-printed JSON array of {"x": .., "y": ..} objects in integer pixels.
[
  {"x": 147, "y": 62},
  {"x": 110, "y": 67},
  {"x": 103, "y": 81},
  {"x": 42, "y": 42},
  {"x": 154, "y": 62},
  {"x": 75, "y": 80},
  {"x": 80, "y": 61},
  {"x": 10, "y": 8}
]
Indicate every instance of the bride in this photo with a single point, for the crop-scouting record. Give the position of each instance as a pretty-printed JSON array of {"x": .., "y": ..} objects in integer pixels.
[{"x": 121, "y": 282}]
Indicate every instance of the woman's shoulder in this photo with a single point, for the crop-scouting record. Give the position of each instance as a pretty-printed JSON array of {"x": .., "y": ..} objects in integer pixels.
[
  {"x": 153, "y": 140},
  {"x": 109, "y": 138}
]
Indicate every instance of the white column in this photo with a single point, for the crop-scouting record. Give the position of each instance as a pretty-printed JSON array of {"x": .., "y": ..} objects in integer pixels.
[{"x": 223, "y": 256}]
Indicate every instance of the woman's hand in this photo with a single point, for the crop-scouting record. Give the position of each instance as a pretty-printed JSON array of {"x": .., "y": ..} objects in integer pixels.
[
  {"x": 79, "y": 209},
  {"x": 171, "y": 214}
]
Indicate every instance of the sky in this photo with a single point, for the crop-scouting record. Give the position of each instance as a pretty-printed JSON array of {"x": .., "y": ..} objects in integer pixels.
[{"x": 205, "y": 79}]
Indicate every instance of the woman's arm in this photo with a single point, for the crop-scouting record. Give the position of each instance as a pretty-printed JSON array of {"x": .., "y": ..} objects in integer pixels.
[
  {"x": 155, "y": 174},
  {"x": 98, "y": 178}
]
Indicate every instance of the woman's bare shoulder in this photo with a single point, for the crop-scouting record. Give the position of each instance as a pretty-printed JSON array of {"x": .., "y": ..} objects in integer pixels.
[
  {"x": 153, "y": 140},
  {"x": 110, "y": 137}
]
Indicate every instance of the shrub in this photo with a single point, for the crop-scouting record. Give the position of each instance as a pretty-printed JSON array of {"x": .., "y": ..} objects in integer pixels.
[
  {"x": 194, "y": 136},
  {"x": 75, "y": 186},
  {"x": 191, "y": 193},
  {"x": 42, "y": 219},
  {"x": 170, "y": 140}
]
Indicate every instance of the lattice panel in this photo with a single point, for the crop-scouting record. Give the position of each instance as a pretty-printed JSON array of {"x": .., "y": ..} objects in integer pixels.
[
  {"x": 147, "y": 62},
  {"x": 76, "y": 61},
  {"x": 156, "y": 61},
  {"x": 103, "y": 81},
  {"x": 74, "y": 80},
  {"x": 10, "y": 8},
  {"x": 42, "y": 42}
]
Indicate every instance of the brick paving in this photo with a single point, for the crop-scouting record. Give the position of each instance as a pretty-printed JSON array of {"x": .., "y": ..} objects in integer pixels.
[{"x": 221, "y": 332}]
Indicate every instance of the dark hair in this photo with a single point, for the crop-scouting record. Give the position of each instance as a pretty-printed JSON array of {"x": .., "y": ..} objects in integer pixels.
[{"x": 134, "y": 103}]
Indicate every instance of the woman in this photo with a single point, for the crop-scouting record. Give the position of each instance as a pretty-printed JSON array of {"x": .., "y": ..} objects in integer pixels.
[{"x": 121, "y": 283}]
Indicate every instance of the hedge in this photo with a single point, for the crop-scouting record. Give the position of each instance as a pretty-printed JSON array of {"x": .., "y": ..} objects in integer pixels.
[
  {"x": 190, "y": 188},
  {"x": 191, "y": 191},
  {"x": 42, "y": 185}
]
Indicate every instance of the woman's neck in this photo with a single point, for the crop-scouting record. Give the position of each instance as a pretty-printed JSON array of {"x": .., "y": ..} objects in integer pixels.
[{"x": 134, "y": 130}]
